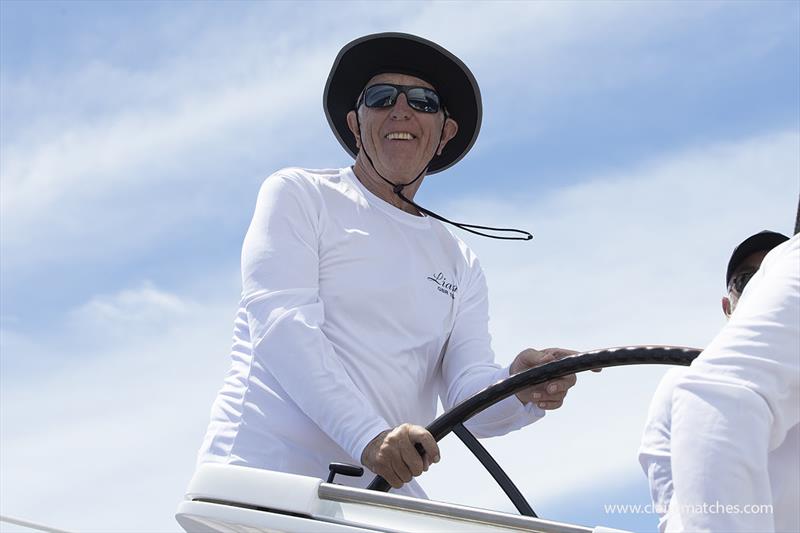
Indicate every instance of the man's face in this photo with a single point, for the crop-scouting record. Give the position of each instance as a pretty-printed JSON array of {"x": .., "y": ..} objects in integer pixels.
[
  {"x": 749, "y": 265},
  {"x": 385, "y": 131}
]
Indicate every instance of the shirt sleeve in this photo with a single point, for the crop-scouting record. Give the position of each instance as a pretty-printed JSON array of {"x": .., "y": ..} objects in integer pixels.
[
  {"x": 737, "y": 402},
  {"x": 654, "y": 451},
  {"x": 468, "y": 365},
  {"x": 280, "y": 272}
]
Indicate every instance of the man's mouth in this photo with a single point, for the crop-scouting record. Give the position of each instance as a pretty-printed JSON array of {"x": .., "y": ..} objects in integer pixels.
[{"x": 400, "y": 136}]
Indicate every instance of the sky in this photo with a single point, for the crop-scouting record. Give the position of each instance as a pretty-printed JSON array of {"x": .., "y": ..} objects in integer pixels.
[{"x": 638, "y": 141}]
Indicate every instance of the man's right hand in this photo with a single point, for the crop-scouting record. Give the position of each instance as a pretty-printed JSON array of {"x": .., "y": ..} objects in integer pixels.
[{"x": 393, "y": 456}]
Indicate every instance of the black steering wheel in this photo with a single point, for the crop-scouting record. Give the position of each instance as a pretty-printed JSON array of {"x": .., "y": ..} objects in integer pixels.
[{"x": 454, "y": 419}]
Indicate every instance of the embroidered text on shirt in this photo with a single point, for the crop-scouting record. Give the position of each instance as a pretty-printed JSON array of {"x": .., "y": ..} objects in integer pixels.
[{"x": 444, "y": 286}]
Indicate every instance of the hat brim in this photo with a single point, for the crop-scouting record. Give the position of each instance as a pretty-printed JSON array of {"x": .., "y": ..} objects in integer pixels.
[
  {"x": 402, "y": 53},
  {"x": 762, "y": 241}
]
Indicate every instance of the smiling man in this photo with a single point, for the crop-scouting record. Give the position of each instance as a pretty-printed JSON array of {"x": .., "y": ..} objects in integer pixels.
[
  {"x": 360, "y": 308},
  {"x": 403, "y": 138}
]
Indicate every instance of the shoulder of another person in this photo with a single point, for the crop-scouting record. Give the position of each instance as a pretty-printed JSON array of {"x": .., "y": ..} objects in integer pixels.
[
  {"x": 781, "y": 252},
  {"x": 674, "y": 374},
  {"x": 663, "y": 393}
]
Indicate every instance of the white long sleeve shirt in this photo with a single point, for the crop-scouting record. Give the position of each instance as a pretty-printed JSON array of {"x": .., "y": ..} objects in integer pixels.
[
  {"x": 654, "y": 452},
  {"x": 355, "y": 316},
  {"x": 735, "y": 413}
]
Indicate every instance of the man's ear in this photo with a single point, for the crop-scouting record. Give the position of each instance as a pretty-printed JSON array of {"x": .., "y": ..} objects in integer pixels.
[
  {"x": 352, "y": 123},
  {"x": 726, "y": 306},
  {"x": 449, "y": 131}
]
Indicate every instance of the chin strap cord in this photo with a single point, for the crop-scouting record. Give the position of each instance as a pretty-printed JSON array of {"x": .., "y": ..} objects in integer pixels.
[
  {"x": 472, "y": 228},
  {"x": 525, "y": 236}
]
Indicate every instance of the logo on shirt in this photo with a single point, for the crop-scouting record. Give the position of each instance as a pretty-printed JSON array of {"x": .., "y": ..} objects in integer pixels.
[{"x": 443, "y": 285}]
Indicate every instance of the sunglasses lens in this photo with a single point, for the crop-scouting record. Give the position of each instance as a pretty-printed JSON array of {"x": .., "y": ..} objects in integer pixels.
[
  {"x": 419, "y": 98},
  {"x": 380, "y": 96},
  {"x": 422, "y": 99}
]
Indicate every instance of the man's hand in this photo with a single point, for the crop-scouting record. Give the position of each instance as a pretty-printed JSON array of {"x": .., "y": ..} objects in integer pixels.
[
  {"x": 550, "y": 394},
  {"x": 392, "y": 454}
]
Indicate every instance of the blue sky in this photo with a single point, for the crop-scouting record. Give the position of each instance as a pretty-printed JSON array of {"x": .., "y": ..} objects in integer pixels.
[{"x": 639, "y": 142}]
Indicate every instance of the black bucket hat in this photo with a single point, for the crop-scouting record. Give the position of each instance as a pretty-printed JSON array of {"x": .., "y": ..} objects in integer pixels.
[
  {"x": 762, "y": 241},
  {"x": 403, "y": 53}
]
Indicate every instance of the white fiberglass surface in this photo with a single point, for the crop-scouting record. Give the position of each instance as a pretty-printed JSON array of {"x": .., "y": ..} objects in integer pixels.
[
  {"x": 335, "y": 517},
  {"x": 202, "y": 517},
  {"x": 236, "y": 499}
]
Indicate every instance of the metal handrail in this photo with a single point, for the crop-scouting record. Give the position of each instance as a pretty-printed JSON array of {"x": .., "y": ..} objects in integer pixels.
[
  {"x": 450, "y": 511},
  {"x": 622, "y": 356},
  {"x": 30, "y": 525}
]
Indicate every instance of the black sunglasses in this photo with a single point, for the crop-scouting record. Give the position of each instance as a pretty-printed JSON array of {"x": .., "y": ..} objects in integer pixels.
[
  {"x": 739, "y": 281},
  {"x": 419, "y": 99}
]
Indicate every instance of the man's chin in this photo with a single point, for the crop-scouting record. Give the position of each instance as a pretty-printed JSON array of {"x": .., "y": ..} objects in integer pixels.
[
  {"x": 403, "y": 176},
  {"x": 402, "y": 170}
]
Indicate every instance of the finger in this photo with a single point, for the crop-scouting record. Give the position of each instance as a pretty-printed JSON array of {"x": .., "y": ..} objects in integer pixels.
[
  {"x": 533, "y": 357},
  {"x": 411, "y": 459},
  {"x": 428, "y": 443},
  {"x": 560, "y": 385},
  {"x": 553, "y": 397},
  {"x": 537, "y": 392},
  {"x": 426, "y": 459},
  {"x": 554, "y": 387},
  {"x": 387, "y": 472},
  {"x": 401, "y": 470},
  {"x": 395, "y": 482},
  {"x": 549, "y": 405},
  {"x": 559, "y": 353}
]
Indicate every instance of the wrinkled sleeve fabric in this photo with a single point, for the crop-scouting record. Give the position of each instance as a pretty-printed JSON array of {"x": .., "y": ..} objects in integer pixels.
[
  {"x": 468, "y": 365},
  {"x": 654, "y": 450},
  {"x": 280, "y": 272},
  {"x": 737, "y": 402}
]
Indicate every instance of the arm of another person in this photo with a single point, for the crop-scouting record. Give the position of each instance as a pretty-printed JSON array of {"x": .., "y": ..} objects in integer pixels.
[
  {"x": 737, "y": 402},
  {"x": 654, "y": 450},
  {"x": 280, "y": 272}
]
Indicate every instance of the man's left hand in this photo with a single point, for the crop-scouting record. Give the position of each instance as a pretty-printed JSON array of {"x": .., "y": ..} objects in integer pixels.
[{"x": 550, "y": 394}]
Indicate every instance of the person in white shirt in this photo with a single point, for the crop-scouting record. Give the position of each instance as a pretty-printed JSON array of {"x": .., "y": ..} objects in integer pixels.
[
  {"x": 735, "y": 413},
  {"x": 359, "y": 308},
  {"x": 654, "y": 452}
]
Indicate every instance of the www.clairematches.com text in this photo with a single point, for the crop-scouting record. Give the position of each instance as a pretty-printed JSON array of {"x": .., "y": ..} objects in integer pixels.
[{"x": 704, "y": 508}]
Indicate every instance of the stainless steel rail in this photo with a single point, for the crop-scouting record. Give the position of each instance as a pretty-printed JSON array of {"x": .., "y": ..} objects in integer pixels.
[
  {"x": 30, "y": 525},
  {"x": 342, "y": 494}
]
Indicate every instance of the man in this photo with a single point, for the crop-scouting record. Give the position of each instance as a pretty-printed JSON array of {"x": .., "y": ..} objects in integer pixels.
[
  {"x": 357, "y": 313},
  {"x": 736, "y": 412},
  {"x": 654, "y": 453}
]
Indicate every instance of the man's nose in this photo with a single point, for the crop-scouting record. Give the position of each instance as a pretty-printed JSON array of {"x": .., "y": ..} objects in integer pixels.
[{"x": 401, "y": 110}]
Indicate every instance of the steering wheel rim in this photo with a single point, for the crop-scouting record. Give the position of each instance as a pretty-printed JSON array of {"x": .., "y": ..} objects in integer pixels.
[{"x": 581, "y": 362}]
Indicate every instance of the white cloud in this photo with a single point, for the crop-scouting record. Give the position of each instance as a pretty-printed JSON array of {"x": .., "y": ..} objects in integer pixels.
[
  {"x": 108, "y": 142},
  {"x": 143, "y": 305},
  {"x": 107, "y": 442},
  {"x": 80, "y": 174}
]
